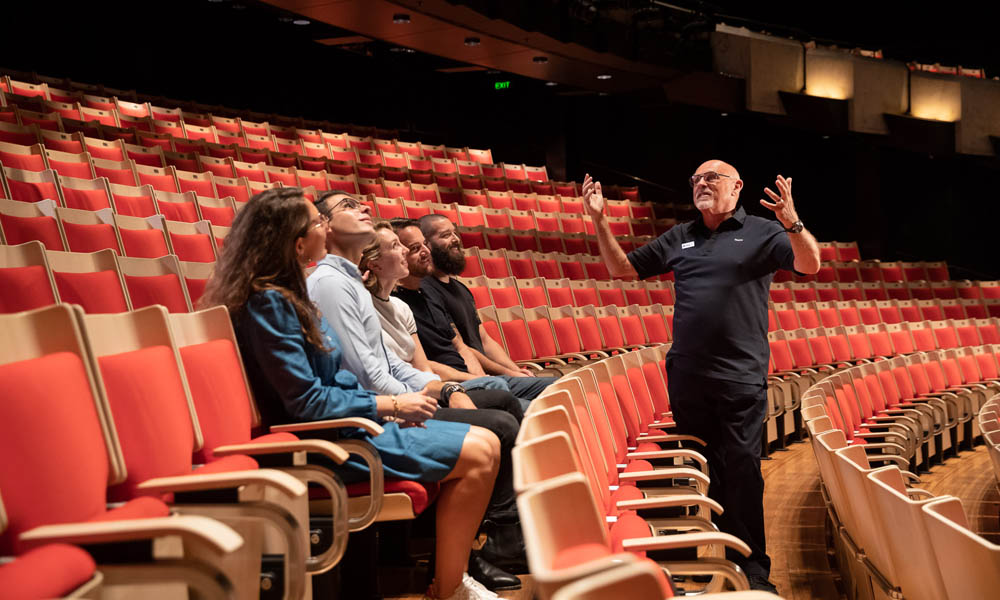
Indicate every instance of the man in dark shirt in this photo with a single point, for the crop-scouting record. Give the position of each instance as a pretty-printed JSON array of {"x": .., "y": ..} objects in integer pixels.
[
  {"x": 723, "y": 263},
  {"x": 442, "y": 287}
]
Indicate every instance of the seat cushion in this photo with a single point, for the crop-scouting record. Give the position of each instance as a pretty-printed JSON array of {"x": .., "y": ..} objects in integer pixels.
[
  {"x": 143, "y": 507},
  {"x": 629, "y": 526},
  {"x": 421, "y": 494},
  {"x": 51, "y": 571},
  {"x": 638, "y": 465}
]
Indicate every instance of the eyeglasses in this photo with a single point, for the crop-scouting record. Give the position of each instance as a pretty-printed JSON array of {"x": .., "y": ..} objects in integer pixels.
[
  {"x": 322, "y": 222},
  {"x": 708, "y": 176},
  {"x": 348, "y": 202}
]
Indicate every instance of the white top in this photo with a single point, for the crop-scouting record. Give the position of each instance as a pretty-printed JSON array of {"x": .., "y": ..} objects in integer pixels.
[{"x": 398, "y": 326}]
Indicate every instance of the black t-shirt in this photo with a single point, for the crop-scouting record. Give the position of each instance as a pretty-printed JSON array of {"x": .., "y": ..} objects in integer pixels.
[
  {"x": 459, "y": 305},
  {"x": 434, "y": 328},
  {"x": 721, "y": 283}
]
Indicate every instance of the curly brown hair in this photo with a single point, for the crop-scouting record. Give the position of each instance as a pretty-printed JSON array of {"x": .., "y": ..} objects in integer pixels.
[
  {"x": 373, "y": 252},
  {"x": 259, "y": 254}
]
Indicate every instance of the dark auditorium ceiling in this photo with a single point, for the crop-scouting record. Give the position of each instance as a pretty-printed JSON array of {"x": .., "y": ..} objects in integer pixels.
[{"x": 645, "y": 42}]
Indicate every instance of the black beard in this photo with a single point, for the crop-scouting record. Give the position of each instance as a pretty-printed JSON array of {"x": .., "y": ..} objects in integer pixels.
[{"x": 447, "y": 263}]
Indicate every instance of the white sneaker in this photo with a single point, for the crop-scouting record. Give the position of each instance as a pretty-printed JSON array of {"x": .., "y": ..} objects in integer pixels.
[
  {"x": 469, "y": 589},
  {"x": 477, "y": 591}
]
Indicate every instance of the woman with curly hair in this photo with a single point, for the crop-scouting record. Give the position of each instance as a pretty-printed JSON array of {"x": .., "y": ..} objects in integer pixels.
[{"x": 292, "y": 359}]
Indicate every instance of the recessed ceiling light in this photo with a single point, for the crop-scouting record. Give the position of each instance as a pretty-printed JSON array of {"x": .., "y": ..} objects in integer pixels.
[
  {"x": 604, "y": 76},
  {"x": 602, "y": 93},
  {"x": 472, "y": 41},
  {"x": 402, "y": 50},
  {"x": 284, "y": 19},
  {"x": 551, "y": 84},
  {"x": 723, "y": 114},
  {"x": 401, "y": 19},
  {"x": 540, "y": 60},
  {"x": 493, "y": 72},
  {"x": 301, "y": 22}
]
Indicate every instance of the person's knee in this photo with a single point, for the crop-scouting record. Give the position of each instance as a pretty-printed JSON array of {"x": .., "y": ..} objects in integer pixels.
[
  {"x": 483, "y": 447},
  {"x": 505, "y": 426}
]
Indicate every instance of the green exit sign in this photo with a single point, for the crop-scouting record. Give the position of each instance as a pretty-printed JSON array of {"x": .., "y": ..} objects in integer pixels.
[{"x": 501, "y": 85}]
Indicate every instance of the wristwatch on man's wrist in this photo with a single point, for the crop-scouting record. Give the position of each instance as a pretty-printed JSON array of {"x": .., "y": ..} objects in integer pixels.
[{"x": 796, "y": 227}]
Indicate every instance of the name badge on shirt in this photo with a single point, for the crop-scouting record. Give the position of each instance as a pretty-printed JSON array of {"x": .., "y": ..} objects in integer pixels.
[{"x": 686, "y": 245}]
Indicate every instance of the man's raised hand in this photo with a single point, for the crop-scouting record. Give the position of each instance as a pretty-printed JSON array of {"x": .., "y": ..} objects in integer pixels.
[
  {"x": 593, "y": 199},
  {"x": 782, "y": 206}
]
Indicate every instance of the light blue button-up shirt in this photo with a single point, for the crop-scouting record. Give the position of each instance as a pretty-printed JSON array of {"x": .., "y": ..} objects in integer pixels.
[{"x": 337, "y": 289}]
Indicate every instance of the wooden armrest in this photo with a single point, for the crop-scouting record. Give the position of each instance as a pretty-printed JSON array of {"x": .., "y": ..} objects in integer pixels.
[
  {"x": 679, "y": 453},
  {"x": 283, "y": 482},
  {"x": 371, "y": 427},
  {"x": 671, "y": 437},
  {"x": 669, "y": 473},
  {"x": 686, "y": 540},
  {"x": 670, "y": 501},
  {"x": 917, "y": 493},
  {"x": 324, "y": 447},
  {"x": 209, "y": 532},
  {"x": 530, "y": 364}
]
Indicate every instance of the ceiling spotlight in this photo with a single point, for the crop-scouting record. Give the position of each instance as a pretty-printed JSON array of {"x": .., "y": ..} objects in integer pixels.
[
  {"x": 540, "y": 60},
  {"x": 604, "y": 76},
  {"x": 401, "y": 19},
  {"x": 551, "y": 84},
  {"x": 723, "y": 114},
  {"x": 301, "y": 22},
  {"x": 284, "y": 19},
  {"x": 402, "y": 50},
  {"x": 471, "y": 41},
  {"x": 493, "y": 72},
  {"x": 602, "y": 93}
]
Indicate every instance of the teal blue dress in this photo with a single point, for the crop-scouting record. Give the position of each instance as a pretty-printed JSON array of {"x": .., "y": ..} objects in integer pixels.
[{"x": 293, "y": 381}]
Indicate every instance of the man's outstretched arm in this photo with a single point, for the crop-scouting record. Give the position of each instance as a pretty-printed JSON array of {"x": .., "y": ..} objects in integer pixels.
[
  {"x": 804, "y": 245},
  {"x": 611, "y": 253}
]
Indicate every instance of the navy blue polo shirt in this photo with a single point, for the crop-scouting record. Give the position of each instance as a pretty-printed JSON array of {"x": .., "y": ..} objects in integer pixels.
[{"x": 722, "y": 279}]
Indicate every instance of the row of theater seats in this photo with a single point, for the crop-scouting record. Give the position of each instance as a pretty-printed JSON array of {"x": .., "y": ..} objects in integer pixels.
[
  {"x": 186, "y": 138},
  {"x": 523, "y": 288},
  {"x": 100, "y": 282},
  {"x": 793, "y": 315},
  {"x": 602, "y": 484},
  {"x": 809, "y": 291},
  {"x": 868, "y": 425},
  {"x": 989, "y": 425},
  {"x": 31, "y": 167},
  {"x": 126, "y": 164},
  {"x": 155, "y": 473},
  {"x": 75, "y": 230},
  {"x": 799, "y": 358},
  {"x": 169, "y": 171}
]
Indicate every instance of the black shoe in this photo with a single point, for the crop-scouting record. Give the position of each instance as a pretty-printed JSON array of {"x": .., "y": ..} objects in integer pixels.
[
  {"x": 504, "y": 547},
  {"x": 760, "y": 583},
  {"x": 494, "y": 578}
]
